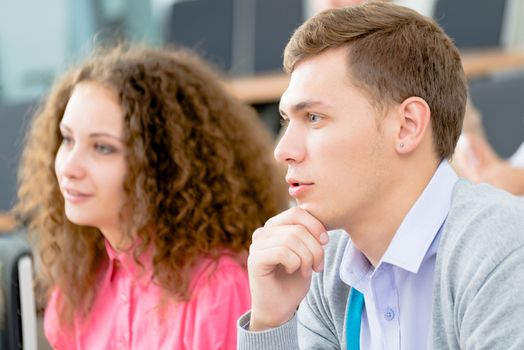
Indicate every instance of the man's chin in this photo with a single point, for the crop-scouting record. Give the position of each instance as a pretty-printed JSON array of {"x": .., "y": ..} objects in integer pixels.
[{"x": 319, "y": 215}]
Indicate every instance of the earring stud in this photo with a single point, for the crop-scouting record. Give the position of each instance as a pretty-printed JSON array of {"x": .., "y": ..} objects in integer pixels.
[{"x": 401, "y": 145}]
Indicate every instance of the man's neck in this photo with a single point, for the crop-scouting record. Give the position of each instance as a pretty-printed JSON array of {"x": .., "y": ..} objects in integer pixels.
[{"x": 373, "y": 233}]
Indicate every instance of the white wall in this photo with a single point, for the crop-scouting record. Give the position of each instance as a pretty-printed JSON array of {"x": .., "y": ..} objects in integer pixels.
[
  {"x": 424, "y": 7},
  {"x": 39, "y": 38},
  {"x": 513, "y": 31},
  {"x": 33, "y": 43}
]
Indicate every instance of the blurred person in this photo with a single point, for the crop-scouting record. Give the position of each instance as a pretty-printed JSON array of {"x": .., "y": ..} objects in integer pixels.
[
  {"x": 321, "y": 5},
  {"x": 415, "y": 257},
  {"x": 476, "y": 160},
  {"x": 141, "y": 181}
]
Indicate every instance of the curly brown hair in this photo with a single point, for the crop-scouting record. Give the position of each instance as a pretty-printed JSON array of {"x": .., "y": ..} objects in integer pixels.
[{"x": 200, "y": 175}]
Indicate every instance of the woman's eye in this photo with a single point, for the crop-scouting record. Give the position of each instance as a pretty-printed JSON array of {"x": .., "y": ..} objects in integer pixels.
[
  {"x": 104, "y": 149},
  {"x": 66, "y": 140},
  {"x": 284, "y": 121}
]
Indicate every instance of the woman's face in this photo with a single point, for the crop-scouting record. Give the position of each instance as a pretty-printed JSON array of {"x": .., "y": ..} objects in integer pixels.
[{"x": 90, "y": 164}]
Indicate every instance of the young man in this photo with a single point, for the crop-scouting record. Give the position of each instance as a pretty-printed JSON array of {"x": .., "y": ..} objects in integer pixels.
[{"x": 415, "y": 258}]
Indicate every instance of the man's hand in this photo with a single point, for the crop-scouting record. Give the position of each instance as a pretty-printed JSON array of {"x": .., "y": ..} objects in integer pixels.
[{"x": 282, "y": 256}]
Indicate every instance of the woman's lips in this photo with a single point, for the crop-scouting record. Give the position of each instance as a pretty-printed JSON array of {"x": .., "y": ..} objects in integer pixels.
[{"x": 74, "y": 196}]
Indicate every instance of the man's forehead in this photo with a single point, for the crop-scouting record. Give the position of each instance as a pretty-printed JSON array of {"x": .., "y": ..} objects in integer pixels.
[
  {"x": 310, "y": 88},
  {"x": 299, "y": 105}
]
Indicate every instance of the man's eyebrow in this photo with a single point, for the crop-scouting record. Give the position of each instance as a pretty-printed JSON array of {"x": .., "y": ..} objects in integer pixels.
[{"x": 304, "y": 105}]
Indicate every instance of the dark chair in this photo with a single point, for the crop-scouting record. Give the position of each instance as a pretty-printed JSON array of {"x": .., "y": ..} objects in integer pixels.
[
  {"x": 205, "y": 26},
  {"x": 275, "y": 22},
  {"x": 471, "y": 23},
  {"x": 18, "y": 327},
  {"x": 500, "y": 99},
  {"x": 13, "y": 120},
  {"x": 239, "y": 36}
]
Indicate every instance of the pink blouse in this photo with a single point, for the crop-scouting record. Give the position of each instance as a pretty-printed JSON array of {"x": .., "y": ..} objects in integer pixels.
[{"x": 125, "y": 312}]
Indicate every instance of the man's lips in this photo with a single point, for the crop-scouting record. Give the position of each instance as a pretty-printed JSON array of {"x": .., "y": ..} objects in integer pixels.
[
  {"x": 296, "y": 187},
  {"x": 294, "y": 182}
]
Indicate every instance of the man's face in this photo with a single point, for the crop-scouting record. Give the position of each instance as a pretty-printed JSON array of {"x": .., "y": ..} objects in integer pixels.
[{"x": 335, "y": 150}]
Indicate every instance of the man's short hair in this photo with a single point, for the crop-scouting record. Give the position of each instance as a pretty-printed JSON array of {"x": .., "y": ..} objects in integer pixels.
[{"x": 393, "y": 53}]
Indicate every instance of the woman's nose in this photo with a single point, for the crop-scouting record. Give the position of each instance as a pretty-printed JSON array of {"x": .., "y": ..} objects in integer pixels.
[{"x": 70, "y": 163}]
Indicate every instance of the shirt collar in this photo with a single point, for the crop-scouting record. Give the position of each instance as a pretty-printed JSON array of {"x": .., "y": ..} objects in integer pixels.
[
  {"x": 413, "y": 239},
  {"x": 419, "y": 228},
  {"x": 354, "y": 266},
  {"x": 126, "y": 260}
]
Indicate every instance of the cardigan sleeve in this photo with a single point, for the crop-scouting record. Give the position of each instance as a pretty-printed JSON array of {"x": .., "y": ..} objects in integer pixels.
[
  {"x": 478, "y": 302},
  {"x": 494, "y": 315}
]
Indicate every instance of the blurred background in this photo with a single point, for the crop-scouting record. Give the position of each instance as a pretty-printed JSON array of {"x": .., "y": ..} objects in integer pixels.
[{"x": 245, "y": 38}]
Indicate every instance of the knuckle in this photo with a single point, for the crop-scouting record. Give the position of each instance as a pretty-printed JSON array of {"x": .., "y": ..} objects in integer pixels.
[
  {"x": 269, "y": 222},
  {"x": 281, "y": 253},
  {"x": 297, "y": 231},
  {"x": 257, "y": 233}
]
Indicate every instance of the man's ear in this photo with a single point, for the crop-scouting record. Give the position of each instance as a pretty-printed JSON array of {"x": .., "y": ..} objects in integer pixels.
[{"x": 414, "y": 116}]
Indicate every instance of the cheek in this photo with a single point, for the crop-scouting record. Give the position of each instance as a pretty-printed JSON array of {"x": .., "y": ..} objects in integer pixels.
[
  {"x": 347, "y": 163},
  {"x": 121, "y": 193},
  {"x": 117, "y": 184},
  {"x": 58, "y": 164}
]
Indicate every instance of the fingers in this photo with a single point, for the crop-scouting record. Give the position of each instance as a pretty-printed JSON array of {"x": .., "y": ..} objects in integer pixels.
[
  {"x": 286, "y": 244},
  {"x": 298, "y": 216},
  {"x": 282, "y": 256},
  {"x": 292, "y": 239},
  {"x": 273, "y": 257}
]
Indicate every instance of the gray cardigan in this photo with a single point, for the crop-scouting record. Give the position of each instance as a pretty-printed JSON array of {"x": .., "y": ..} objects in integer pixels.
[{"x": 478, "y": 287}]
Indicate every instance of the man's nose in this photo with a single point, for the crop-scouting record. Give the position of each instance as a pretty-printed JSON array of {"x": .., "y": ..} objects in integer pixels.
[{"x": 290, "y": 148}]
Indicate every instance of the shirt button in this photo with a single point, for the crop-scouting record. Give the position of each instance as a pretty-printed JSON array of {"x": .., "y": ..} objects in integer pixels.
[
  {"x": 123, "y": 298},
  {"x": 389, "y": 315}
]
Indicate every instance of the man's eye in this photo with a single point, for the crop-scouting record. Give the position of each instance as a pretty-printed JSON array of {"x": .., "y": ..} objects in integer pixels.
[{"x": 314, "y": 118}]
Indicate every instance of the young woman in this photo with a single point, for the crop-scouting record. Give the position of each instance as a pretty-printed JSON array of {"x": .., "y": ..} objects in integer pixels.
[{"x": 143, "y": 180}]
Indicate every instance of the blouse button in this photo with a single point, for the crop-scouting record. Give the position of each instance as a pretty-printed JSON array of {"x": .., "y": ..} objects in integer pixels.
[{"x": 123, "y": 298}]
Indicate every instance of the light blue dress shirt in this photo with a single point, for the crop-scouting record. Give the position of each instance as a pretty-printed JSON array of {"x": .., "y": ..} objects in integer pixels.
[{"x": 398, "y": 292}]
